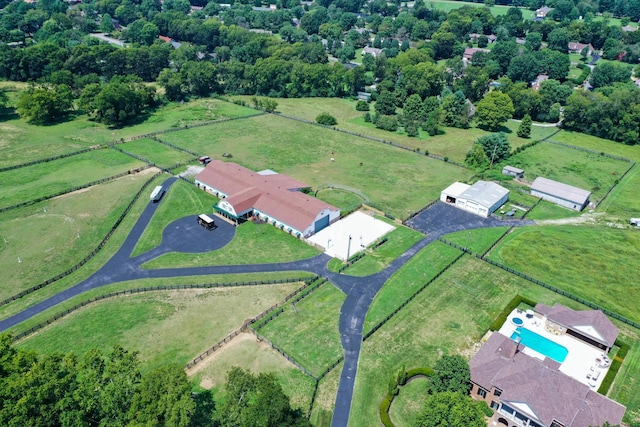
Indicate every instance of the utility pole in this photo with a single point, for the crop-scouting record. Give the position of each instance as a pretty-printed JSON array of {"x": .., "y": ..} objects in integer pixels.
[
  {"x": 349, "y": 248},
  {"x": 493, "y": 155}
]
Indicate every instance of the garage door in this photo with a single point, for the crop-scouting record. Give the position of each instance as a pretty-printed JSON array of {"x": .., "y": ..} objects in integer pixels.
[{"x": 321, "y": 223}]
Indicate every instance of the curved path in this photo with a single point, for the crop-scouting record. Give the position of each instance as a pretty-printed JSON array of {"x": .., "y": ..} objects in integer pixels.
[{"x": 185, "y": 235}]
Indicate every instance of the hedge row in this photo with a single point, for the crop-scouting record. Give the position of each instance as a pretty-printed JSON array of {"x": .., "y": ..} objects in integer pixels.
[
  {"x": 91, "y": 254},
  {"x": 513, "y": 304},
  {"x": 384, "y": 410},
  {"x": 616, "y": 363},
  {"x": 583, "y": 76}
]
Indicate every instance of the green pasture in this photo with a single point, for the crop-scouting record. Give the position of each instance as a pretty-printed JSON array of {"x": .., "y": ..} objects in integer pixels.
[
  {"x": 397, "y": 180},
  {"x": 407, "y": 405},
  {"x": 399, "y": 241},
  {"x": 181, "y": 200},
  {"x": 449, "y": 317},
  {"x": 40, "y": 241},
  {"x": 164, "y": 326},
  {"x": 246, "y": 352},
  {"x": 623, "y": 201},
  {"x": 326, "y": 398},
  {"x": 252, "y": 244},
  {"x": 448, "y": 6},
  {"x": 339, "y": 198},
  {"x": 592, "y": 172},
  {"x": 161, "y": 155},
  {"x": 597, "y": 263},
  {"x": 550, "y": 211},
  {"x": 22, "y": 142},
  {"x": 415, "y": 273},
  {"x": 309, "y": 332},
  {"x": 32, "y": 182},
  {"x": 478, "y": 240},
  {"x": 598, "y": 145}
]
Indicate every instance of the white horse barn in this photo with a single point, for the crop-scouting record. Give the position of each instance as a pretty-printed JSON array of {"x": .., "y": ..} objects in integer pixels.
[{"x": 481, "y": 198}]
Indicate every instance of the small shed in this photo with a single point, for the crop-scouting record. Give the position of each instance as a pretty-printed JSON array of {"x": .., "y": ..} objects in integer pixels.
[
  {"x": 513, "y": 171},
  {"x": 635, "y": 221},
  {"x": 561, "y": 194}
]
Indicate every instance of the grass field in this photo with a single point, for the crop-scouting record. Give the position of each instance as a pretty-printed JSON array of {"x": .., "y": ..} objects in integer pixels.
[
  {"x": 415, "y": 273},
  {"x": 325, "y": 398},
  {"x": 181, "y": 200},
  {"x": 399, "y": 241},
  {"x": 309, "y": 334},
  {"x": 448, "y": 6},
  {"x": 32, "y": 182},
  {"x": 252, "y": 244},
  {"x": 623, "y": 201},
  {"x": 597, "y": 263},
  {"x": 478, "y": 240},
  {"x": 408, "y": 403},
  {"x": 591, "y": 172},
  {"x": 304, "y": 152},
  {"x": 339, "y": 198},
  {"x": 547, "y": 210},
  {"x": 165, "y": 326},
  {"x": 163, "y": 156},
  {"x": 598, "y": 144},
  {"x": 21, "y": 142},
  {"x": 50, "y": 237}
]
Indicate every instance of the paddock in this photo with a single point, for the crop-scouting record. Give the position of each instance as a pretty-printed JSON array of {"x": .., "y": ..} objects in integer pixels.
[{"x": 350, "y": 235}]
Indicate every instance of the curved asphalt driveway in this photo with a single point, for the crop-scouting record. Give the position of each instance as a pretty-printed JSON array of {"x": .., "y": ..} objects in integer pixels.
[{"x": 185, "y": 235}]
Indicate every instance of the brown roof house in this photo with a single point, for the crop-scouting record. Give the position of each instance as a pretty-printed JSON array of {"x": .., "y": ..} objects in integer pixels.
[
  {"x": 268, "y": 195},
  {"x": 575, "y": 47},
  {"x": 526, "y": 391}
]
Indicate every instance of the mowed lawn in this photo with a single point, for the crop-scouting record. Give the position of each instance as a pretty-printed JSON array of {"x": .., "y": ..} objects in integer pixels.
[
  {"x": 592, "y": 172},
  {"x": 161, "y": 155},
  {"x": 252, "y": 244},
  {"x": 309, "y": 333},
  {"x": 22, "y": 142},
  {"x": 478, "y": 240},
  {"x": 623, "y": 201},
  {"x": 163, "y": 326},
  {"x": 399, "y": 181},
  {"x": 448, "y": 6},
  {"x": 597, "y": 263},
  {"x": 32, "y": 182},
  {"x": 42, "y": 240},
  {"x": 449, "y": 317}
]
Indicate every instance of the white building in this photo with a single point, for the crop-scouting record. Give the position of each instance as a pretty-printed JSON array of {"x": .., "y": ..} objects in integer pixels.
[
  {"x": 481, "y": 198},
  {"x": 561, "y": 194}
]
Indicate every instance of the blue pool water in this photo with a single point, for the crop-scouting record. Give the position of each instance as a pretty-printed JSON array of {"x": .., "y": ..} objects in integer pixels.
[{"x": 540, "y": 344}]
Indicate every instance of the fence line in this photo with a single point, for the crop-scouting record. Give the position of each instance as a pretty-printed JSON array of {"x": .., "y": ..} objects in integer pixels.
[
  {"x": 455, "y": 245},
  {"x": 414, "y": 214},
  {"x": 532, "y": 207},
  {"x": 282, "y": 353},
  {"x": 411, "y": 298},
  {"x": 616, "y": 183},
  {"x": 494, "y": 244},
  {"x": 563, "y": 293},
  {"x": 50, "y": 159},
  {"x": 168, "y": 144},
  {"x": 135, "y": 156},
  {"x": 574, "y": 147},
  {"x": 91, "y": 254}
]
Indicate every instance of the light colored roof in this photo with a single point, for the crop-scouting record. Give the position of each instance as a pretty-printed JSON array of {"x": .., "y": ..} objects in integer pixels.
[
  {"x": 456, "y": 189},
  {"x": 484, "y": 193},
  {"x": 512, "y": 169},
  {"x": 538, "y": 389},
  {"x": 592, "y": 323},
  {"x": 558, "y": 189},
  {"x": 371, "y": 51}
]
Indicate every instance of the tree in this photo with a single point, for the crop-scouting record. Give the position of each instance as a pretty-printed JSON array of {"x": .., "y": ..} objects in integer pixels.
[
  {"x": 386, "y": 103},
  {"x": 534, "y": 41},
  {"x": 106, "y": 23},
  {"x": 608, "y": 73},
  {"x": 523, "y": 68},
  {"x": 496, "y": 146},
  {"x": 362, "y": 106},
  {"x": 45, "y": 104},
  {"x": 450, "y": 409},
  {"x": 326, "y": 119},
  {"x": 558, "y": 40},
  {"x": 524, "y": 130},
  {"x": 413, "y": 109},
  {"x": 425, "y": 79},
  {"x": 451, "y": 373},
  {"x": 476, "y": 158},
  {"x": 494, "y": 110},
  {"x": 455, "y": 111}
]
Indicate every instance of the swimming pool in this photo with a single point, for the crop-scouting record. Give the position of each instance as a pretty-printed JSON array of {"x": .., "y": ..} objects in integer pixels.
[{"x": 542, "y": 345}]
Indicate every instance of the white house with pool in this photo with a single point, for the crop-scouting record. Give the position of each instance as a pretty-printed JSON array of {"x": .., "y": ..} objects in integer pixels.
[{"x": 543, "y": 369}]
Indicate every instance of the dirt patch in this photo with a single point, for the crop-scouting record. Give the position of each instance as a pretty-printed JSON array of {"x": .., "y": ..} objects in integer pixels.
[
  {"x": 243, "y": 337},
  {"x": 191, "y": 171},
  {"x": 588, "y": 218}
]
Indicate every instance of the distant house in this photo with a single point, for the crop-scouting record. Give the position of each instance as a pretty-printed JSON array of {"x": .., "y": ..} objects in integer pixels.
[
  {"x": 629, "y": 28},
  {"x": 468, "y": 52},
  {"x": 267, "y": 195},
  {"x": 638, "y": 82},
  {"x": 375, "y": 52},
  {"x": 575, "y": 47},
  {"x": 481, "y": 198},
  {"x": 165, "y": 39},
  {"x": 513, "y": 171},
  {"x": 473, "y": 37},
  {"x": 543, "y": 12},
  {"x": 535, "y": 85},
  {"x": 561, "y": 194}
]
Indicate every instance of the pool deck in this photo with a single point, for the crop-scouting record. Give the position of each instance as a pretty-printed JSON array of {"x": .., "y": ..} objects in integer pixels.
[{"x": 581, "y": 359}]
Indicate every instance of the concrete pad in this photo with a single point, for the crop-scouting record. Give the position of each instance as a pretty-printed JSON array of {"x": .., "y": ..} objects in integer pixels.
[{"x": 350, "y": 235}]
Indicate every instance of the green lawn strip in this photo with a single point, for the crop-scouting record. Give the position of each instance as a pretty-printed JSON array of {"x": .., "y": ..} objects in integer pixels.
[
  {"x": 162, "y": 155},
  {"x": 181, "y": 200},
  {"x": 623, "y": 201},
  {"x": 22, "y": 142},
  {"x": 598, "y": 144},
  {"x": 406, "y": 281},
  {"x": 252, "y": 244},
  {"x": 407, "y": 405},
  {"x": 164, "y": 326},
  {"x": 589, "y": 171},
  {"x": 244, "y": 351},
  {"x": 303, "y": 151},
  {"x": 448, "y": 317},
  {"x": 398, "y": 242},
  {"x": 309, "y": 333},
  {"x": 547, "y": 210},
  {"x": 478, "y": 240},
  {"x": 579, "y": 260},
  {"x": 42, "y": 240},
  {"x": 325, "y": 398},
  {"x": 339, "y": 198},
  {"x": 200, "y": 281},
  {"x": 625, "y": 386},
  {"x": 32, "y": 182}
]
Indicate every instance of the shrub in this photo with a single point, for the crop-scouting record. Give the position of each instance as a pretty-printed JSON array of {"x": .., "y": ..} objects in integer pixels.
[
  {"x": 488, "y": 412},
  {"x": 426, "y": 371},
  {"x": 402, "y": 376},
  {"x": 384, "y": 411},
  {"x": 389, "y": 123},
  {"x": 367, "y": 117},
  {"x": 326, "y": 119},
  {"x": 513, "y": 304},
  {"x": 362, "y": 106}
]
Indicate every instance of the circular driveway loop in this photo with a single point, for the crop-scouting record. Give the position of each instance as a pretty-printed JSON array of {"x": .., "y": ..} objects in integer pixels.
[{"x": 186, "y": 235}]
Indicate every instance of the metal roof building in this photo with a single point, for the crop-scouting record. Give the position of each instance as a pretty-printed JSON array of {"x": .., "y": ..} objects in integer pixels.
[
  {"x": 481, "y": 198},
  {"x": 513, "y": 171},
  {"x": 561, "y": 194}
]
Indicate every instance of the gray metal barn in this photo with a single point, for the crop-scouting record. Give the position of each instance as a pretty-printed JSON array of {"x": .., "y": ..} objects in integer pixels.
[
  {"x": 513, "y": 171},
  {"x": 481, "y": 198},
  {"x": 561, "y": 194}
]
